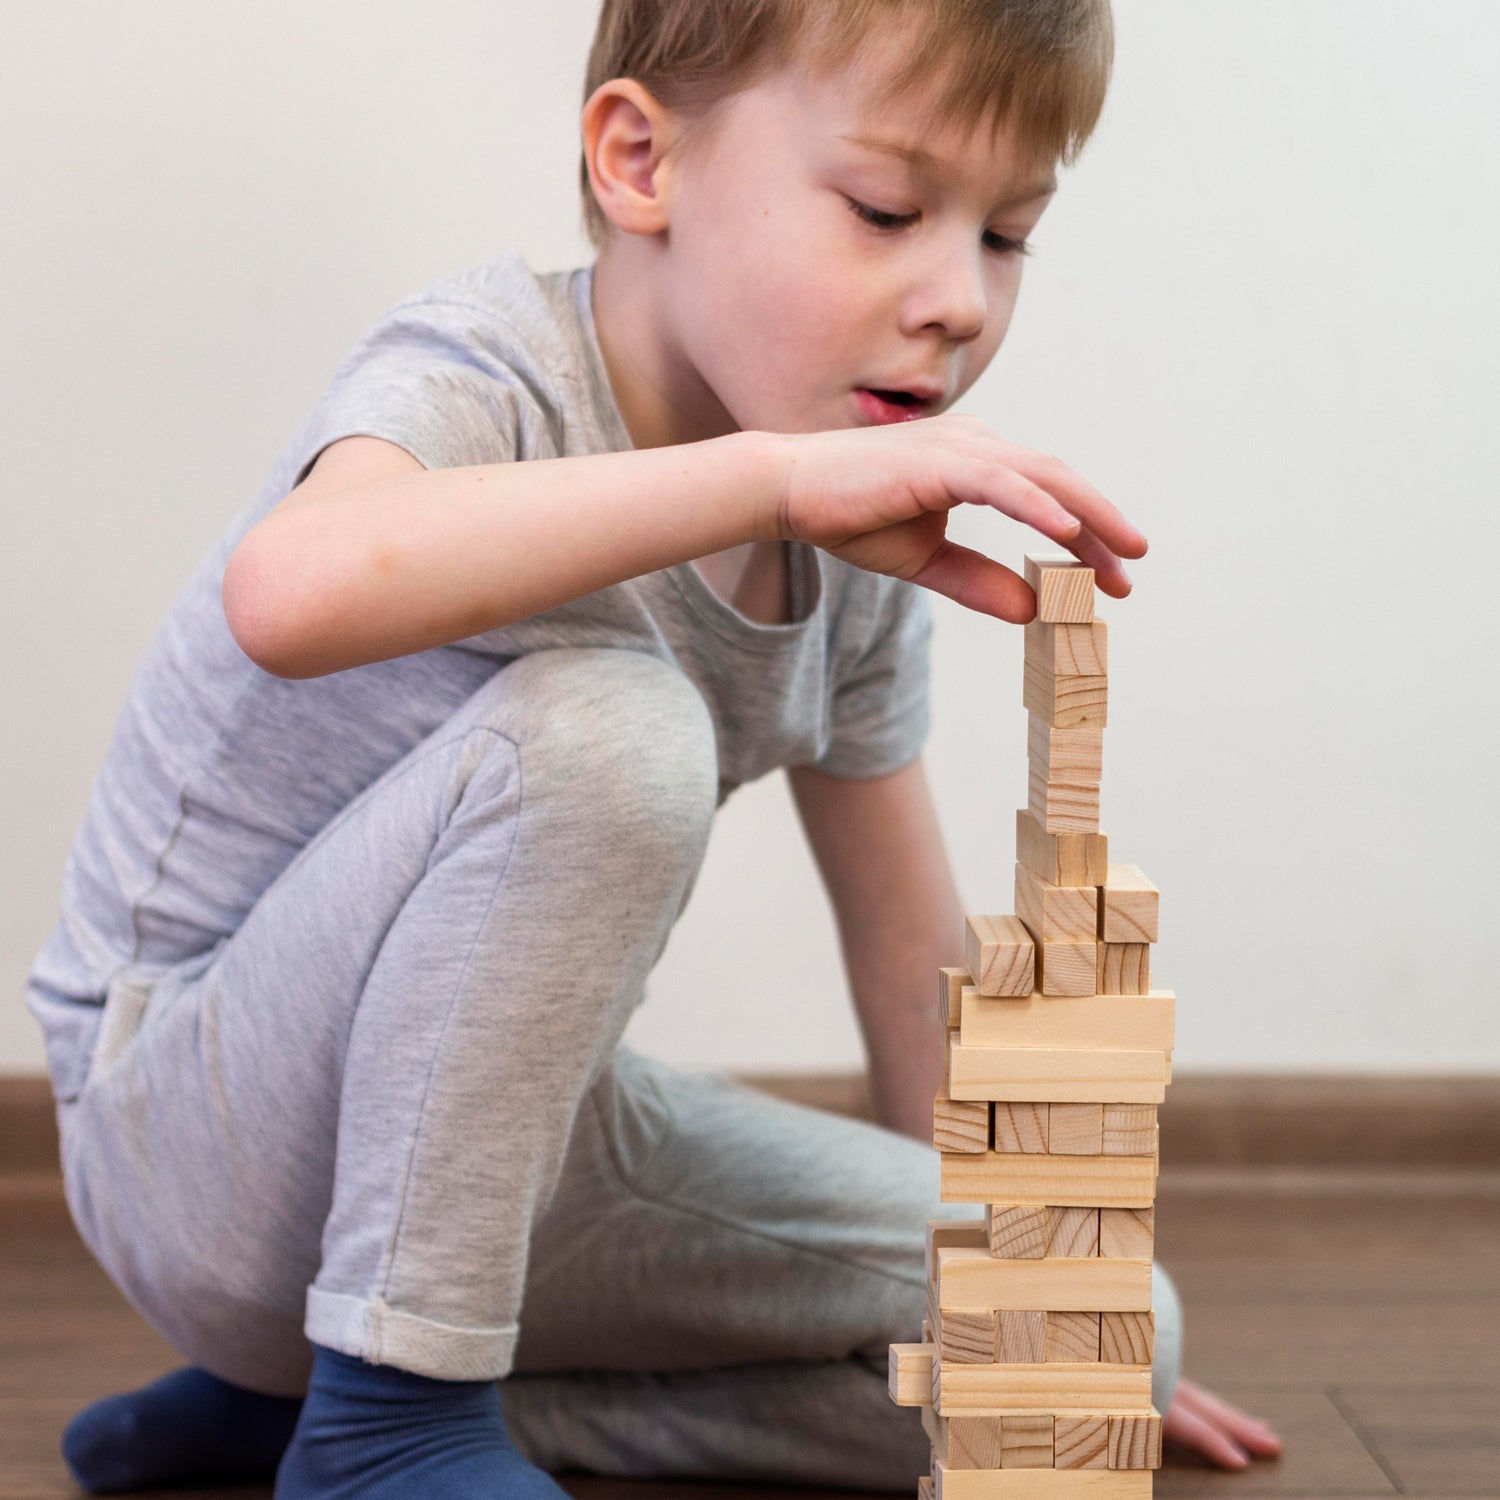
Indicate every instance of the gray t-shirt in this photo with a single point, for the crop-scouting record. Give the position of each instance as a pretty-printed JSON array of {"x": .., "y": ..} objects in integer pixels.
[{"x": 218, "y": 773}]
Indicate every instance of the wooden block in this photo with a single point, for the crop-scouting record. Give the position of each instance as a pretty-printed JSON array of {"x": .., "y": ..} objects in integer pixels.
[
  {"x": 1072, "y": 1231},
  {"x": 1133, "y": 1023},
  {"x": 1056, "y": 913},
  {"x": 1129, "y": 1129},
  {"x": 972, "y": 1233},
  {"x": 1065, "y": 702},
  {"x": 925, "y": 1489},
  {"x": 1020, "y": 1337},
  {"x": 1127, "y": 1338},
  {"x": 1033, "y": 1388},
  {"x": 968, "y": 1336},
  {"x": 1069, "y": 649},
  {"x": 1135, "y": 1442},
  {"x": 927, "y": 1334},
  {"x": 1063, "y": 806},
  {"x": 1131, "y": 912},
  {"x": 1073, "y": 1338},
  {"x": 960, "y": 1124},
  {"x": 1061, "y": 858},
  {"x": 1040, "y": 1484},
  {"x": 1067, "y": 968},
  {"x": 1077, "y": 1130},
  {"x": 1064, "y": 587},
  {"x": 1064, "y": 1074},
  {"x": 1026, "y": 1442},
  {"x": 1065, "y": 754},
  {"x": 911, "y": 1374},
  {"x": 1079, "y": 1442},
  {"x": 1123, "y": 969},
  {"x": 967, "y": 1442},
  {"x": 1016, "y": 1232},
  {"x": 1128, "y": 1230},
  {"x": 969, "y": 1279},
  {"x": 1119, "y": 1182},
  {"x": 1020, "y": 1127},
  {"x": 998, "y": 952},
  {"x": 951, "y": 985}
]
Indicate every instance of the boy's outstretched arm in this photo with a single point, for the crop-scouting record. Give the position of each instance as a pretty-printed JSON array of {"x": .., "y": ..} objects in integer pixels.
[{"x": 880, "y": 851}]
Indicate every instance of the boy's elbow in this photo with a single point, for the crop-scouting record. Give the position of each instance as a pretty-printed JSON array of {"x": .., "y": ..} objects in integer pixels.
[{"x": 261, "y": 611}]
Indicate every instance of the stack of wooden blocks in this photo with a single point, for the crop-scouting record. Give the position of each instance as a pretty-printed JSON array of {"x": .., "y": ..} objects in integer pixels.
[{"x": 1034, "y": 1373}]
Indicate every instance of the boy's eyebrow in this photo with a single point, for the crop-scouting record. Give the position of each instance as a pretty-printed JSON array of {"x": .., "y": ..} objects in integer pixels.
[{"x": 925, "y": 161}]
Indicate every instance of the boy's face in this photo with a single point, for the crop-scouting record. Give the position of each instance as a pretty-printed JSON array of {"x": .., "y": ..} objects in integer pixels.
[{"x": 790, "y": 305}]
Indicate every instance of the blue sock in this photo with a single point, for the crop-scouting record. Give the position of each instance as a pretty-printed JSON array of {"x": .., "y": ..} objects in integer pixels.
[
  {"x": 380, "y": 1433},
  {"x": 189, "y": 1427}
]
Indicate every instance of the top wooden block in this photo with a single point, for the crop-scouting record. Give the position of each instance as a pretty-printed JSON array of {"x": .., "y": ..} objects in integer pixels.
[{"x": 1064, "y": 588}]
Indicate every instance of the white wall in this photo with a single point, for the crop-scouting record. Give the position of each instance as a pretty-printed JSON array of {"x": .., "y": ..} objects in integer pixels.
[{"x": 1262, "y": 318}]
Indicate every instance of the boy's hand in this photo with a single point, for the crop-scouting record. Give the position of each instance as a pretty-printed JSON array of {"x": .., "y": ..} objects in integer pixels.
[
  {"x": 879, "y": 497},
  {"x": 1223, "y": 1434}
]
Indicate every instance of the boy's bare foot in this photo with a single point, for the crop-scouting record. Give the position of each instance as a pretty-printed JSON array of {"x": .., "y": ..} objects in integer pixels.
[{"x": 1208, "y": 1425}]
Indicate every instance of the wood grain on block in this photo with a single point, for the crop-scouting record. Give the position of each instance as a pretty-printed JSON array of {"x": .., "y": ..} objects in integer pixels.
[
  {"x": 1065, "y": 702},
  {"x": 1067, "y": 968},
  {"x": 1063, "y": 806},
  {"x": 976, "y": 1279},
  {"x": 999, "y": 954},
  {"x": 1135, "y": 1442},
  {"x": 1118, "y": 1182},
  {"x": 1128, "y": 1230},
  {"x": 1130, "y": 1129},
  {"x": 1123, "y": 969},
  {"x": 1094, "y": 1022},
  {"x": 1065, "y": 1074},
  {"x": 968, "y": 1336},
  {"x": 951, "y": 985},
  {"x": 1031, "y": 1388},
  {"x": 1079, "y": 1442},
  {"x": 1127, "y": 1338},
  {"x": 1069, "y": 649},
  {"x": 960, "y": 1124},
  {"x": 1061, "y": 858},
  {"x": 1075, "y": 1130},
  {"x": 1072, "y": 1231},
  {"x": 1020, "y": 1127},
  {"x": 911, "y": 1374},
  {"x": 971, "y": 1233},
  {"x": 1040, "y": 1484},
  {"x": 1056, "y": 913},
  {"x": 972, "y": 1442},
  {"x": 925, "y": 1488},
  {"x": 1064, "y": 754},
  {"x": 1026, "y": 1442},
  {"x": 1072, "y": 1338},
  {"x": 1016, "y": 1231},
  {"x": 1064, "y": 588},
  {"x": 1132, "y": 906},
  {"x": 1020, "y": 1337}
]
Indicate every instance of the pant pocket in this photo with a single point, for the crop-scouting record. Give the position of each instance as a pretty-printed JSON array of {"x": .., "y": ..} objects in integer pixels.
[{"x": 125, "y": 1003}]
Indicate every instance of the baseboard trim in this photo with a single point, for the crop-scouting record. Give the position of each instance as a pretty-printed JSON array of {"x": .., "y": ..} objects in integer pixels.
[{"x": 1209, "y": 1120}]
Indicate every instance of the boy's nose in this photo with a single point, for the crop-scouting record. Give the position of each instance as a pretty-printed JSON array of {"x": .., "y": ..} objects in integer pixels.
[{"x": 951, "y": 297}]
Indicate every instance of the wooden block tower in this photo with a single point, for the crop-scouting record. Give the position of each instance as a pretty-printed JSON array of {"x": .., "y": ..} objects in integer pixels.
[{"x": 1034, "y": 1373}]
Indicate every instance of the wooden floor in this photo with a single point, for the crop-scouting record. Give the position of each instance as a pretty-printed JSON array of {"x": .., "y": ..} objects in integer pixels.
[{"x": 1359, "y": 1312}]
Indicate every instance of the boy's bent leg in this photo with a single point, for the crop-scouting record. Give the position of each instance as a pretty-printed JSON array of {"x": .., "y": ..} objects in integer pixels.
[{"x": 391, "y": 1051}]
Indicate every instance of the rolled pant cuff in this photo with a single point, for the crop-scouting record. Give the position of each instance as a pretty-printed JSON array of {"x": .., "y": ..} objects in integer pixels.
[{"x": 373, "y": 1330}]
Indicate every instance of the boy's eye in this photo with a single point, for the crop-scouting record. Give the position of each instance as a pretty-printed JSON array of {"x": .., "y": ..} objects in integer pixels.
[{"x": 879, "y": 219}]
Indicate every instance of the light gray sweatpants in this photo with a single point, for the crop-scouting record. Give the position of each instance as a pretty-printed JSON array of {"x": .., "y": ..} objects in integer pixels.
[{"x": 391, "y": 1115}]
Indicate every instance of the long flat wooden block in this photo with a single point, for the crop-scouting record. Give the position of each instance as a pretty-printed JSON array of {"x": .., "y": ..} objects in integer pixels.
[
  {"x": 1067, "y": 1074},
  {"x": 1144, "y": 1023},
  {"x": 1069, "y": 649},
  {"x": 969, "y": 1279},
  {"x": 1104, "y": 1182},
  {"x": 1135, "y": 1442},
  {"x": 1032, "y": 1388},
  {"x": 1132, "y": 906},
  {"x": 1065, "y": 702},
  {"x": 960, "y": 1124},
  {"x": 1129, "y": 1129},
  {"x": 1061, "y": 858},
  {"x": 1064, "y": 913},
  {"x": 1075, "y": 1130},
  {"x": 999, "y": 954},
  {"x": 910, "y": 1379},
  {"x": 951, "y": 985},
  {"x": 1065, "y": 754},
  {"x": 1128, "y": 1230},
  {"x": 1064, "y": 587},
  {"x": 1041, "y": 1484},
  {"x": 1078, "y": 1442},
  {"x": 1063, "y": 806},
  {"x": 1123, "y": 969},
  {"x": 1020, "y": 1127}
]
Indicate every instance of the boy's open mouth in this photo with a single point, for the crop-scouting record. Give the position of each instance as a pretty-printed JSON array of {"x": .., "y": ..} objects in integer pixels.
[{"x": 882, "y": 406}]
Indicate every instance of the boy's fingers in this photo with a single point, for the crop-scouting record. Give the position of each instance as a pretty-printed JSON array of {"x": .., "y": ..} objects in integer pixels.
[
  {"x": 1246, "y": 1429},
  {"x": 1185, "y": 1426},
  {"x": 1077, "y": 495},
  {"x": 1111, "y": 578},
  {"x": 977, "y": 582},
  {"x": 1014, "y": 495}
]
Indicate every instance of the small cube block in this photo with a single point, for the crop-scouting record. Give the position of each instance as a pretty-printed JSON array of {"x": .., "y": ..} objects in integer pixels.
[
  {"x": 1081, "y": 1442},
  {"x": 999, "y": 953},
  {"x": 1123, "y": 969},
  {"x": 1068, "y": 967},
  {"x": 1129, "y": 1129},
  {"x": 1021, "y": 1127},
  {"x": 1127, "y": 1338},
  {"x": 1069, "y": 650},
  {"x": 1135, "y": 1442},
  {"x": 1130, "y": 906},
  {"x": 1076, "y": 1130},
  {"x": 1018, "y": 1232},
  {"x": 1064, "y": 587},
  {"x": 1128, "y": 1233},
  {"x": 960, "y": 1124},
  {"x": 1065, "y": 702},
  {"x": 1056, "y": 913},
  {"x": 1072, "y": 1231},
  {"x": 1072, "y": 1338},
  {"x": 1061, "y": 858},
  {"x": 966, "y": 1337},
  {"x": 1021, "y": 1337},
  {"x": 1026, "y": 1442}
]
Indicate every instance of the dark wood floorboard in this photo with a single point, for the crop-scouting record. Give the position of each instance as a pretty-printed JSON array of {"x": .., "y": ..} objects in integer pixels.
[{"x": 1360, "y": 1315}]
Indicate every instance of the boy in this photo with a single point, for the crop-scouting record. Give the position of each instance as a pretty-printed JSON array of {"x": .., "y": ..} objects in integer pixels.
[{"x": 419, "y": 773}]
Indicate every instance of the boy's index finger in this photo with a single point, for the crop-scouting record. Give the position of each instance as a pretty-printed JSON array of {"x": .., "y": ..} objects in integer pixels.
[{"x": 1076, "y": 495}]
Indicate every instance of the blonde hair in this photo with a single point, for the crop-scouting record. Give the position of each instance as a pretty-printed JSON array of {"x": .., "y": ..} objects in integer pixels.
[{"x": 1040, "y": 65}]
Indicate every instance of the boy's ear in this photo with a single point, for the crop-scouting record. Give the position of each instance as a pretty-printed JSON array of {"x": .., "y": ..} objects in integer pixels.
[{"x": 627, "y": 135}]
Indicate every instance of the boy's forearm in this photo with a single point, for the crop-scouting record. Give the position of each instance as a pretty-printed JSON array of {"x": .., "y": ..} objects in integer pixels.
[{"x": 418, "y": 560}]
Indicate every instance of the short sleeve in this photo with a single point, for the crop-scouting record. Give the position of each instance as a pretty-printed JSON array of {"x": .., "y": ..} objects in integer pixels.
[
  {"x": 452, "y": 383},
  {"x": 880, "y": 712}
]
